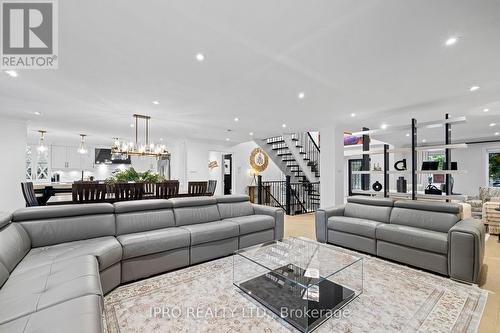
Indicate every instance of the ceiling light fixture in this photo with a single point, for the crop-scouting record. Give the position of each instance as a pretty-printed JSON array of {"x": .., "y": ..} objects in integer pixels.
[
  {"x": 486, "y": 110},
  {"x": 474, "y": 88},
  {"x": 284, "y": 125},
  {"x": 383, "y": 126},
  {"x": 424, "y": 140},
  {"x": 145, "y": 148},
  {"x": 493, "y": 124},
  {"x": 301, "y": 95},
  {"x": 82, "y": 149},
  {"x": 251, "y": 133},
  {"x": 200, "y": 57},
  {"x": 156, "y": 102},
  {"x": 451, "y": 41},
  {"x": 236, "y": 119},
  {"x": 42, "y": 147},
  {"x": 353, "y": 115},
  {"x": 12, "y": 73},
  {"x": 407, "y": 134},
  {"x": 227, "y": 139},
  {"x": 497, "y": 133},
  {"x": 36, "y": 113}
]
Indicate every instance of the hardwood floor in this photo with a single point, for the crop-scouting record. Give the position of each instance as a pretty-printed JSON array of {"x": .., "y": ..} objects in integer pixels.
[{"x": 303, "y": 225}]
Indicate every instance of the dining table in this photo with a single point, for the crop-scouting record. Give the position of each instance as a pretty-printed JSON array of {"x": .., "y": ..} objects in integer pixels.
[{"x": 67, "y": 199}]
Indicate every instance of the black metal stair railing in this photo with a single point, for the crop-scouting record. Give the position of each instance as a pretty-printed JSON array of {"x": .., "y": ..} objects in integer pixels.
[{"x": 293, "y": 197}]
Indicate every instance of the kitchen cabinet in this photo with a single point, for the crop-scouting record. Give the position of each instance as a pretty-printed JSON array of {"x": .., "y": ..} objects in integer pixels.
[{"x": 64, "y": 158}]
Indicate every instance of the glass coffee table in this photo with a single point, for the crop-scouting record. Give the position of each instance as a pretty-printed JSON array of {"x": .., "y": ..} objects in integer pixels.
[{"x": 302, "y": 281}]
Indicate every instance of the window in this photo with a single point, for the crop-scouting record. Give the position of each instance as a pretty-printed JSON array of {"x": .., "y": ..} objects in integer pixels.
[{"x": 494, "y": 169}]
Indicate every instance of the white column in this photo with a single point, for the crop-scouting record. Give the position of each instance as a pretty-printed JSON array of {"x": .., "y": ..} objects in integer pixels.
[
  {"x": 332, "y": 166},
  {"x": 13, "y": 138}
]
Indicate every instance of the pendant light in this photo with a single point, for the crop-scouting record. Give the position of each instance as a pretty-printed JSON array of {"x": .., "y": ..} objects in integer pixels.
[
  {"x": 82, "y": 149},
  {"x": 42, "y": 147}
]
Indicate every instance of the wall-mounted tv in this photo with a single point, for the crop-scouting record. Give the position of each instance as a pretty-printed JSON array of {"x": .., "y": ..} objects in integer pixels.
[{"x": 104, "y": 156}]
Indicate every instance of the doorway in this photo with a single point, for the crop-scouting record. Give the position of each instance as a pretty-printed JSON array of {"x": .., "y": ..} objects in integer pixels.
[{"x": 228, "y": 174}]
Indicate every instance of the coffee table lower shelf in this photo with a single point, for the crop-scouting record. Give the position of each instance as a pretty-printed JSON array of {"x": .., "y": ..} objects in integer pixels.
[{"x": 289, "y": 301}]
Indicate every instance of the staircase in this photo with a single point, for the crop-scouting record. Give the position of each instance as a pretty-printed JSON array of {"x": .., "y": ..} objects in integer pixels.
[{"x": 298, "y": 156}]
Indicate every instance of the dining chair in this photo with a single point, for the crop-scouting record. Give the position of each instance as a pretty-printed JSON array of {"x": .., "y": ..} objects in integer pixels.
[
  {"x": 88, "y": 192},
  {"x": 129, "y": 191},
  {"x": 167, "y": 189},
  {"x": 29, "y": 194},
  {"x": 149, "y": 189},
  {"x": 212, "y": 185},
  {"x": 197, "y": 188}
]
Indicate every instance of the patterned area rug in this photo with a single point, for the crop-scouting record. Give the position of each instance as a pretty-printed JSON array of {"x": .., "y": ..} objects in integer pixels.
[{"x": 202, "y": 298}]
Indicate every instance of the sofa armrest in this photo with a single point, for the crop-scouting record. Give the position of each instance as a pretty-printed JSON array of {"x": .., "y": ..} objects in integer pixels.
[
  {"x": 466, "y": 241},
  {"x": 321, "y": 219},
  {"x": 279, "y": 218}
]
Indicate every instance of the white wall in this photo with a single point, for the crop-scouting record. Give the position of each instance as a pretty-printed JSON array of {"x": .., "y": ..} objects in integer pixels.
[
  {"x": 13, "y": 138},
  {"x": 332, "y": 179},
  {"x": 241, "y": 168},
  {"x": 474, "y": 161}
]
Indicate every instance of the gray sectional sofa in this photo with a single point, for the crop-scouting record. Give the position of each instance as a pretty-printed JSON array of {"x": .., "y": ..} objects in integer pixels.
[
  {"x": 424, "y": 234},
  {"x": 57, "y": 262}
]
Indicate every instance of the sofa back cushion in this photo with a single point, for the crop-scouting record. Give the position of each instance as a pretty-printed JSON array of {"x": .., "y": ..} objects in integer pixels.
[
  {"x": 50, "y": 225},
  {"x": 143, "y": 215},
  {"x": 14, "y": 245},
  {"x": 195, "y": 210},
  {"x": 434, "y": 216},
  {"x": 234, "y": 206},
  {"x": 375, "y": 209}
]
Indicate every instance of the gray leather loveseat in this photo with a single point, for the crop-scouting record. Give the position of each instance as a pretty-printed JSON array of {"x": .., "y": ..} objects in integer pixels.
[
  {"x": 429, "y": 235},
  {"x": 57, "y": 262}
]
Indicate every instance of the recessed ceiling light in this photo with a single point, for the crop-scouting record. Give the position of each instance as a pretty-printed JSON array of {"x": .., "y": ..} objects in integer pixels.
[
  {"x": 156, "y": 102},
  {"x": 36, "y": 113},
  {"x": 12, "y": 73},
  {"x": 493, "y": 124},
  {"x": 383, "y": 126},
  {"x": 236, "y": 119},
  {"x": 251, "y": 133},
  {"x": 424, "y": 140},
  {"x": 486, "y": 110},
  {"x": 407, "y": 134},
  {"x": 132, "y": 125},
  {"x": 301, "y": 95},
  {"x": 227, "y": 139},
  {"x": 353, "y": 115},
  {"x": 451, "y": 41},
  {"x": 161, "y": 139},
  {"x": 497, "y": 133},
  {"x": 474, "y": 88},
  {"x": 284, "y": 125},
  {"x": 200, "y": 57}
]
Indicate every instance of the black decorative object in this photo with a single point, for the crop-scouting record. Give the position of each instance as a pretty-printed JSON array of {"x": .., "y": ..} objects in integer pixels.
[
  {"x": 377, "y": 186},
  {"x": 401, "y": 185},
  {"x": 431, "y": 189},
  {"x": 454, "y": 166},
  {"x": 430, "y": 165},
  {"x": 403, "y": 165}
]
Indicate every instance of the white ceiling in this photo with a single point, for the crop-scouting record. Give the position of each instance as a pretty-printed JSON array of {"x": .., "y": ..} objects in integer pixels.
[{"x": 384, "y": 60}]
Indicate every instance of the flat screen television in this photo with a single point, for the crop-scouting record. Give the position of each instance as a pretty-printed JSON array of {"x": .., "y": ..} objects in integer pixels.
[{"x": 104, "y": 156}]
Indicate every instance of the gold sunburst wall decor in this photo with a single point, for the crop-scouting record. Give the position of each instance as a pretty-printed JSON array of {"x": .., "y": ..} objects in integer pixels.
[{"x": 259, "y": 160}]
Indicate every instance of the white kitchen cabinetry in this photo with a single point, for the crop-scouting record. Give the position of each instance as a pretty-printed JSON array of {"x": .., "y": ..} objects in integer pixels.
[{"x": 68, "y": 158}]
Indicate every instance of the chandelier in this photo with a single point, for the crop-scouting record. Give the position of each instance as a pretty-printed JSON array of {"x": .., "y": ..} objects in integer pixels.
[
  {"x": 42, "y": 147},
  {"x": 137, "y": 148},
  {"x": 82, "y": 149}
]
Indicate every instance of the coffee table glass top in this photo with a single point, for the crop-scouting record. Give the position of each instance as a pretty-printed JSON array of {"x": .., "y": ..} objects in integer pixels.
[{"x": 318, "y": 260}]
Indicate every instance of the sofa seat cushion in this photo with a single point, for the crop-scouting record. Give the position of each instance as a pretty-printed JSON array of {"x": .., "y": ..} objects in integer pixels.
[
  {"x": 78, "y": 315},
  {"x": 352, "y": 225},
  {"x": 423, "y": 239},
  {"x": 253, "y": 223},
  {"x": 154, "y": 241},
  {"x": 32, "y": 290},
  {"x": 212, "y": 231},
  {"x": 107, "y": 250}
]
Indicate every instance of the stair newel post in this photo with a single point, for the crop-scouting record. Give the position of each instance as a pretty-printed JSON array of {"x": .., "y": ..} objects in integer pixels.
[
  {"x": 386, "y": 170},
  {"x": 413, "y": 159},
  {"x": 259, "y": 189},
  {"x": 447, "y": 156},
  {"x": 288, "y": 190}
]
